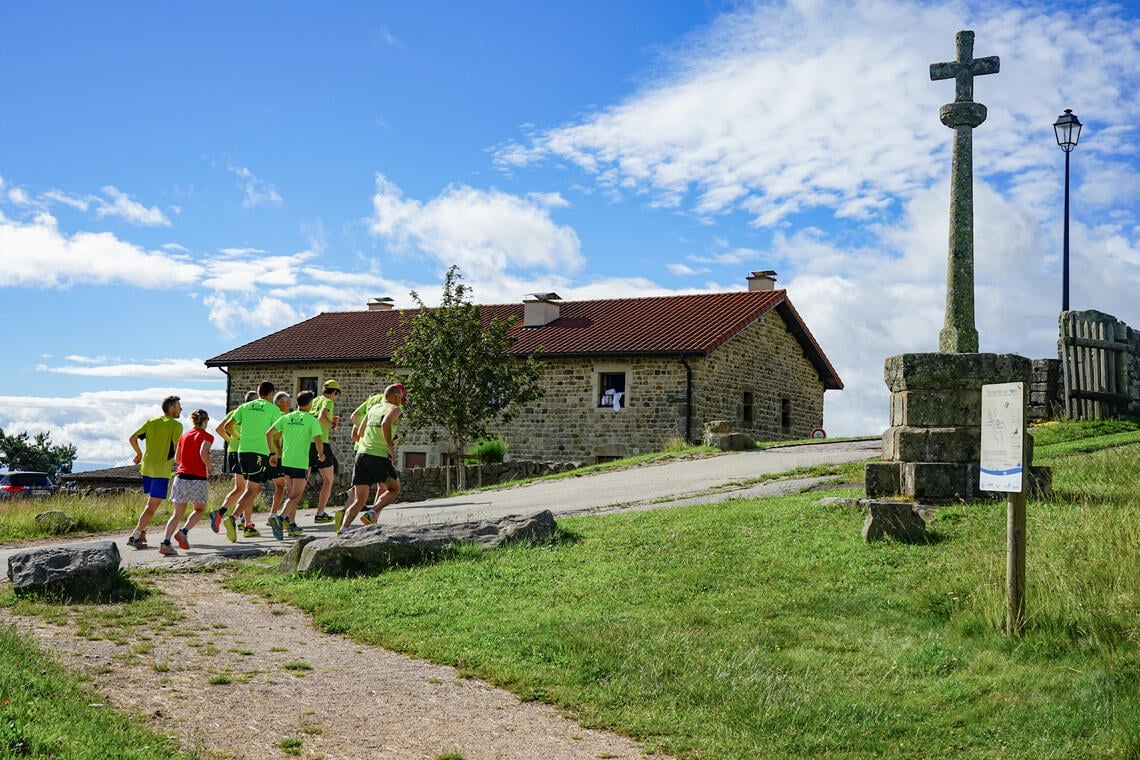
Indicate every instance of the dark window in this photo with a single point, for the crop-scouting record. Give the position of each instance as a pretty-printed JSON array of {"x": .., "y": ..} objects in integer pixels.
[
  {"x": 747, "y": 411},
  {"x": 307, "y": 384},
  {"x": 785, "y": 415},
  {"x": 414, "y": 459},
  {"x": 611, "y": 389}
]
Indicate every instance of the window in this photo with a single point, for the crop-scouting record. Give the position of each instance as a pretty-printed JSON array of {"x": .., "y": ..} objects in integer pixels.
[
  {"x": 307, "y": 384},
  {"x": 785, "y": 415},
  {"x": 747, "y": 411},
  {"x": 611, "y": 390}
]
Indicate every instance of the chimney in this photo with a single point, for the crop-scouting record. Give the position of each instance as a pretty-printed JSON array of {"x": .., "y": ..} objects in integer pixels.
[
  {"x": 380, "y": 304},
  {"x": 540, "y": 309},
  {"x": 762, "y": 281}
]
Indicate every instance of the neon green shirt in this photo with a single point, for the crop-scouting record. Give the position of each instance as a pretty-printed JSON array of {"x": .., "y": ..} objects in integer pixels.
[
  {"x": 161, "y": 435},
  {"x": 255, "y": 418},
  {"x": 372, "y": 441},
  {"x": 298, "y": 430},
  {"x": 371, "y": 401},
  {"x": 319, "y": 403}
]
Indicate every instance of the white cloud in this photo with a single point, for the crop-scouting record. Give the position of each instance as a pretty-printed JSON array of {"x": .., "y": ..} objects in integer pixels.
[
  {"x": 181, "y": 370},
  {"x": 19, "y": 196},
  {"x": 257, "y": 192},
  {"x": 99, "y": 423},
  {"x": 38, "y": 254},
  {"x": 260, "y": 312},
  {"x": 58, "y": 196},
  {"x": 483, "y": 231},
  {"x": 132, "y": 211}
]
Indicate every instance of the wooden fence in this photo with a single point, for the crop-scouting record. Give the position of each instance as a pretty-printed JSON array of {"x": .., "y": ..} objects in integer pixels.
[{"x": 1094, "y": 365}]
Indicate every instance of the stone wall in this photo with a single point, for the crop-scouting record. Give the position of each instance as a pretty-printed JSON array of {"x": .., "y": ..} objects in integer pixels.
[
  {"x": 568, "y": 424},
  {"x": 767, "y": 361},
  {"x": 1046, "y": 391}
]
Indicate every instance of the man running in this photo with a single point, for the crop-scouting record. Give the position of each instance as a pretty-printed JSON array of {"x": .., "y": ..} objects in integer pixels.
[
  {"x": 289, "y": 441},
  {"x": 233, "y": 465},
  {"x": 255, "y": 418},
  {"x": 324, "y": 409},
  {"x": 156, "y": 465},
  {"x": 375, "y": 461},
  {"x": 275, "y": 473}
]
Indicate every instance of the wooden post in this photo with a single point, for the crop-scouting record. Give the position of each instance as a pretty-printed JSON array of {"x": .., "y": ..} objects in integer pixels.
[{"x": 1015, "y": 548}]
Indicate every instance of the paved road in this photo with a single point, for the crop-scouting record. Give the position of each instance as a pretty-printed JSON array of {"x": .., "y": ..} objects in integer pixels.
[{"x": 653, "y": 486}]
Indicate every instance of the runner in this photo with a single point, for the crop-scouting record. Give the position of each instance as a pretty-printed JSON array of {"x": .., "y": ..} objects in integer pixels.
[
  {"x": 375, "y": 461},
  {"x": 161, "y": 435},
  {"x": 231, "y": 434},
  {"x": 289, "y": 441},
  {"x": 357, "y": 417},
  {"x": 192, "y": 459},
  {"x": 324, "y": 409},
  {"x": 255, "y": 418},
  {"x": 280, "y": 482}
]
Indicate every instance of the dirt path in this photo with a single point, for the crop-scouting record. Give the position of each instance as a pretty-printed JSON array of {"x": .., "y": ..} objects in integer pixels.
[{"x": 278, "y": 679}]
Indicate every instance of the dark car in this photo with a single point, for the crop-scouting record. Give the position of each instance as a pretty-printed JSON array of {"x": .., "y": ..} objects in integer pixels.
[{"x": 24, "y": 484}]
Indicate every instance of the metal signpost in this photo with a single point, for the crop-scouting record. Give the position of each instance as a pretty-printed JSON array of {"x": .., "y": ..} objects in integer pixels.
[{"x": 1003, "y": 469}]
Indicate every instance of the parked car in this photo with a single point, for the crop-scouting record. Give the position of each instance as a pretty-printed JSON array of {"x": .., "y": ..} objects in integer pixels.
[{"x": 26, "y": 484}]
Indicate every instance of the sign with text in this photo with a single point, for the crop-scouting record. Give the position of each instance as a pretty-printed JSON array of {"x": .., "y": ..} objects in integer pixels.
[{"x": 1003, "y": 437}]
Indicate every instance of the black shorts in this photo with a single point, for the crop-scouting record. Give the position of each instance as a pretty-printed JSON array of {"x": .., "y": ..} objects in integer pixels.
[
  {"x": 317, "y": 464},
  {"x": 274, "y": 471},
  {"x": 294, "y": 473},
  {"x": 233, "y": 462},
  {"x": 254, "y": 466},
  {"x": 369, "y": 469}
]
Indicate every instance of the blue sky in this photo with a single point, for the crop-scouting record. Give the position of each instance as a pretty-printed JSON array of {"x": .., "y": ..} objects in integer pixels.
[{"x": 178, "y": 180}]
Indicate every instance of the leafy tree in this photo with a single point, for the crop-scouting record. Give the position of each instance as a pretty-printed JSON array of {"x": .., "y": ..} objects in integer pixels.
[
  {"x": 463, "y": 376},
  {"x": 23, "y": 452}
]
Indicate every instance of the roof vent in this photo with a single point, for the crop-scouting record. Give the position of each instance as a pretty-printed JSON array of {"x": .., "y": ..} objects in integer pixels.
[
  {"x": 762, "y": 281},
  {"x": 540, "y": 309},
  {"x": 380, "y": 304}
]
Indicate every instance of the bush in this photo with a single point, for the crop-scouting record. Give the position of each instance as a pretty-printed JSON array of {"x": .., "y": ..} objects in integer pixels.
[{"x": 489, "y": 451}]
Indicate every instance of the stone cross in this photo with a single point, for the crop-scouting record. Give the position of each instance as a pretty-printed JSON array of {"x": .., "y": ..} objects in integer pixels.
[{"x": 959, "y": 336}]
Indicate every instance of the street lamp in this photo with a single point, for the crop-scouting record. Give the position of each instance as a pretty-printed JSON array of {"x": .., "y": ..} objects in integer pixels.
[{"x": 1068, "y": 131}]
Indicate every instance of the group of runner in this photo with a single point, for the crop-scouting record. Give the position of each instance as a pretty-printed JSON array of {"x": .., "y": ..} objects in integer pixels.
[{"x": 266, "y": 441}]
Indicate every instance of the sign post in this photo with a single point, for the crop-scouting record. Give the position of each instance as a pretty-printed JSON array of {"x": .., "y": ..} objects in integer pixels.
[{"x": 1003, "y": 468}]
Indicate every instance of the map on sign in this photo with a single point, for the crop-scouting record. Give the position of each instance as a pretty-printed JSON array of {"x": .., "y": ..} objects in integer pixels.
[{"x": 1003, "y": 437}]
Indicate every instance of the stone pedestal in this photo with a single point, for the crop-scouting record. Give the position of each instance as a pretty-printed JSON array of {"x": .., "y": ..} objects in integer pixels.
[{"x": 932, "y": 449}]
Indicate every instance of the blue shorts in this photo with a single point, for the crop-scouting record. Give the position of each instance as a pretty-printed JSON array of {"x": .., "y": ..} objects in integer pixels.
[{"x": 155, "y": 488}]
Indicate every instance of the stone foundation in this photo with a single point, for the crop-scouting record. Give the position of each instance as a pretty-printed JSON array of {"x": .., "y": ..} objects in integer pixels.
[{"x": 931, "y": 452}]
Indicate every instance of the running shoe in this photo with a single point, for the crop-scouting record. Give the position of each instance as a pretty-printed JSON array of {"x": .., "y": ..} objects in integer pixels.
[
  {"x": 322, "y": 517},
  {"x": 231, "y": 527},
  {"x": 216, "y": 516},
  {"x": 138, "y": 543},
  {"x": 166, "y": 550},
  {"x": 251, "y": 531},
  {"x": 180, "y": 537},
  {"x": 274, "y": 522},
  {"x": 338, "y": 519},
  {"x": 295, "y": 530},
  {"x": 368, "y": 517}
]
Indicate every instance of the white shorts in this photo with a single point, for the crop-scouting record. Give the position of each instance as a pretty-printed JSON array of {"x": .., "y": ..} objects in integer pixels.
[{"x": 189, "y": 491}]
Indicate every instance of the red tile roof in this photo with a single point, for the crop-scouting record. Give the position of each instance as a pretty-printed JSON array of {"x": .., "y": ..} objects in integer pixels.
[{"x": 665, "y": 325}]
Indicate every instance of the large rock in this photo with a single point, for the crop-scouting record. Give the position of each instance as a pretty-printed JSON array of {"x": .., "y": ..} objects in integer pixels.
[
  {"x": 54, "y": 522},
  {"x": 375, "y": 547},
  {"x": 893, "y": 519},
  {"x": 76, "y": 571}
]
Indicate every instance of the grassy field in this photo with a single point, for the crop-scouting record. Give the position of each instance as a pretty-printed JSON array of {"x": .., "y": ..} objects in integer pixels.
[{"x": 766, "y": 628}]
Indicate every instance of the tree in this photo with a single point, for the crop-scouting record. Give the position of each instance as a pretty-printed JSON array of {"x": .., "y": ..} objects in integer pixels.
[
  {"x": 23, "y": 452},
  {"x": 463, "y": 376}
]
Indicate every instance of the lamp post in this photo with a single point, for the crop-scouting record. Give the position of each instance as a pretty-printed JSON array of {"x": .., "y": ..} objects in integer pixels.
[{"x": 1068, "y": 131}]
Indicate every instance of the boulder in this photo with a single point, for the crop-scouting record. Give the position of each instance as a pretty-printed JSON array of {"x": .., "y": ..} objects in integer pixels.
[
  {"x": 54, "y": 522},
  {"x": 893, "y": 519},
  {"x": 375, "y": 547},
  {"x": 76, "y": 571}
]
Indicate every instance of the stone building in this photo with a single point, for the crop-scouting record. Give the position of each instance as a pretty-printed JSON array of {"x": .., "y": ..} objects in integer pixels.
[{"x": 622, "y": 376}]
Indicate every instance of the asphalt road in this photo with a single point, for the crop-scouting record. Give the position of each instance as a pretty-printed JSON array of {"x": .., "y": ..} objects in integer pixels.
[{"x": 648, "y": 487}]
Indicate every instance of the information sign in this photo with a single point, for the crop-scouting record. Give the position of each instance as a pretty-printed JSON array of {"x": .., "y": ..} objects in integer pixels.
[{"x": 1003, "y": 437}]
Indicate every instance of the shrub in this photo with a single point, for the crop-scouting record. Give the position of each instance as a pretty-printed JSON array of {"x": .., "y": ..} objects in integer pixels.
[{"x": 489, "y": 451}]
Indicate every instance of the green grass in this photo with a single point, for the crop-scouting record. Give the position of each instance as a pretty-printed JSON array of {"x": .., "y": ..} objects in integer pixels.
[
  {"x": 767, "y": 628},
  {"x": 46, "y": 713}
]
